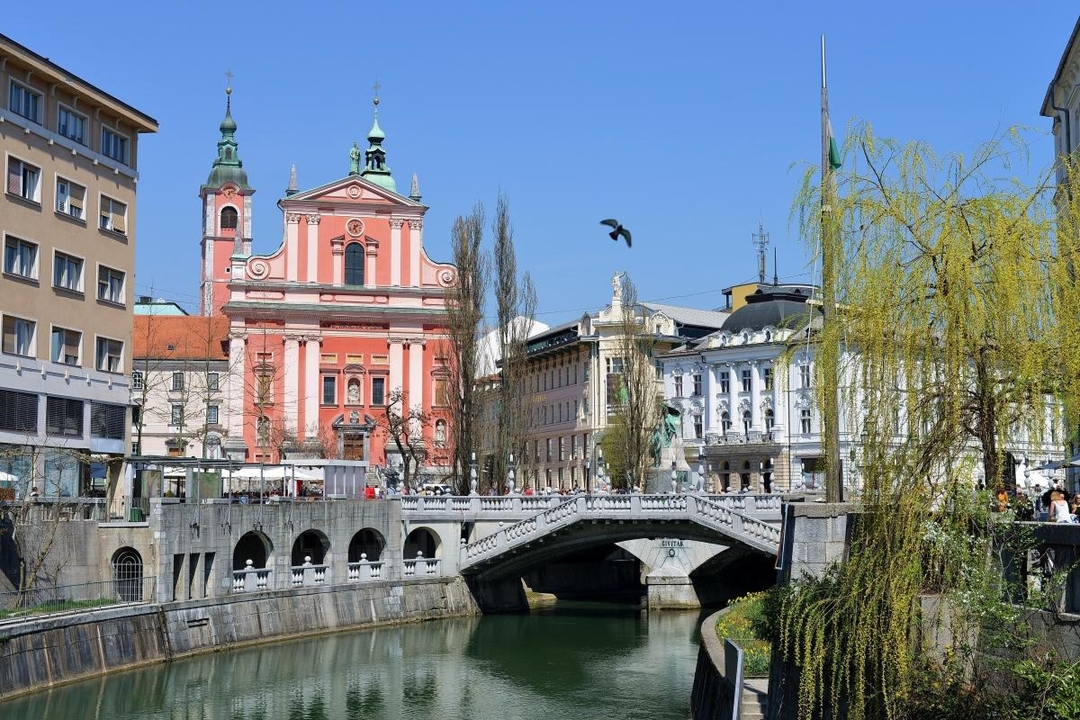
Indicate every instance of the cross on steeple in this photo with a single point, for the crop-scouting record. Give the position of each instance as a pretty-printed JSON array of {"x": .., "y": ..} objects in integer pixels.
[
  {"x": 228, "y": 80},
  {"x": 376, "y": 87}
]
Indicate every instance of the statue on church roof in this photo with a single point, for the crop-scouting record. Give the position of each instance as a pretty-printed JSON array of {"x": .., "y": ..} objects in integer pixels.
[{"x": 354, "y": 160}]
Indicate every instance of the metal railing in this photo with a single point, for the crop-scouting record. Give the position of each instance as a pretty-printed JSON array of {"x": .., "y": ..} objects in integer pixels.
[{"x": 42, "y": 600}]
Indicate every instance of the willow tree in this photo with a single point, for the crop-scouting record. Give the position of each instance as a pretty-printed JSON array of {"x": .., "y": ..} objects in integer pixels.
[
  {"x": 946, "y": 333},
  {"x": 465, "y": 310}
]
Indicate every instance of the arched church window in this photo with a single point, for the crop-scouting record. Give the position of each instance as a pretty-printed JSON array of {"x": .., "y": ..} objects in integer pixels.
[
  {"x": 354, "y": 264},
  {"x": 229, "y": 218},
  {"x": 746, "y": 421},
  {"x": 725, "y": 421}
]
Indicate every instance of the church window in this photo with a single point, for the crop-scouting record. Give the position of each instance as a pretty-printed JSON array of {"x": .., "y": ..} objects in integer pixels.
[
  {"x": 229, "y": 218},
  {"x": 354, "y": 264}
]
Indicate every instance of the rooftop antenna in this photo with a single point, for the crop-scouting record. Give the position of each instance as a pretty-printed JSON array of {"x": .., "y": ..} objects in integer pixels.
[
  {"x": 761, "y": 239},
  {"x": 775, "y": 265}
]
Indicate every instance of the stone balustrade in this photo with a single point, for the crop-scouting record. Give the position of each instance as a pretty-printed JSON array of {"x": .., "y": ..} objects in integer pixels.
[
  {"x": 251, "y": 579},
  {"x": 308, "y": 574},
  {"x": 365, "y": 570},
  {"x": 421, "y": 566}
]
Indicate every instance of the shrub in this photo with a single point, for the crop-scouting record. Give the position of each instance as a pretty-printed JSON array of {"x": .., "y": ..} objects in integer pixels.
[{"x": 738, "y": 625}]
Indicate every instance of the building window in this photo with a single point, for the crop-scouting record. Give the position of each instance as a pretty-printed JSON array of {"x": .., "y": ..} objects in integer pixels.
[
  {"x": 699, "y": 426},
  {"x": 18, "y": 336},
  {"x": 212, "y": 415},
  {"x": 697, "y": 383},
  {"x": 67, "y": 272},
  {"x": 804, "y": 421},
  {"x": 747, "y": 421},
  {"x": 18, "y": 412},
  {"x": 72, "y": 125},
  {"x": 113, "y": 215},
  {"x": 109, "y": 354},
  {"x": 107, "y": 421},
  {"x": 614, "y": 365},
  {"x": 24, "y": 180},
  {"x": 20, "y": 257},
  {"x": 659, "y": 367},
  {"x": 725, "y": 382},
  {"x": 747, "y": 381},
  {"x": 354, "y": 264},
  {"x": 229, "y": 218},
  {"x": 24, "y": 101},
  {"x": 114, "y": 145},
  {"x": 547, "y": 444},
  {"x": 329, "y": 390},
  {"x": 65, "y": 346},
  {"x": 573, "y": 447},
  {"x": 562, "y": 449},
  {"x": 804, "y": 375},
  {"x": 442, "y": 394},
  {"x": 63, "y": 416},
  {"x": 768, "y": 379},
  {"x": 110, "y": 285},
  {"x": 264, "y": 391},
  {"x": 725, "y": 421},
  {"x": 678, "y": 386},
  {"x": 212, "y": 382},
  {"x": 137, "y": 380},
  {"x": 178, "y": 381},
  {"x": 177, "y": 417},
  {"x": 770, "y": 420},
  {"x": 378, "y": 391}
]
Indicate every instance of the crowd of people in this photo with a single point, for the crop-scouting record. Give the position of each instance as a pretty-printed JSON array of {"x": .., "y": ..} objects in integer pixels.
[{"x": 1056, "y": 504}]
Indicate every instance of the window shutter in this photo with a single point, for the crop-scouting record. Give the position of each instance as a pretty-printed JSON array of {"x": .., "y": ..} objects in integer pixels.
[
  {"x": 75, "y": 197},
  {"x": 14, "y": 183},
  {"x": 118, "y": 220}
]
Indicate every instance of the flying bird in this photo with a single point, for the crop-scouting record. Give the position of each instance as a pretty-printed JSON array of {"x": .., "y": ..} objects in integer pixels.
[{"x": 617, "y": 231}]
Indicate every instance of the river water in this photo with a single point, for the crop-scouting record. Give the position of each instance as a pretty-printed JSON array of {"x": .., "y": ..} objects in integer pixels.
[{"x": 576, "y": 661}]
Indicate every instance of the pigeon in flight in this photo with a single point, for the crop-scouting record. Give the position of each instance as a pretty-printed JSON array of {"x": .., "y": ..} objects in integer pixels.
[{"x": 617, "y": 230}]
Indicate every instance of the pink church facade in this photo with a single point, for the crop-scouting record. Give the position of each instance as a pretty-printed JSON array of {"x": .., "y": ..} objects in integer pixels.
[{"x": 324, "y": 330}]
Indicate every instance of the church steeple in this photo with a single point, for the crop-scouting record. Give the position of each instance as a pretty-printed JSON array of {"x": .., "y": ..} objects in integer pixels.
[
  {"x": 228, "y": 166},
  {"x": 375, "y": 167}
]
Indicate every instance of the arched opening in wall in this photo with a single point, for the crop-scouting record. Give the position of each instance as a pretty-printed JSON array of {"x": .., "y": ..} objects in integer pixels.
[
  {"x": 744, "y": 477},
  {"x": 725, "y": 421},
  {"x": 310, "y": 544},
  {"x": 10, "y": 560},
  {"x": 229, "y": 218},
  {"x": 747, "y": 421},
  {"x": 421, "y": 540},
  {"x": 127, "y": 572},
  {"x": 354, "y": 264},
  {"x": 253, "y": 546},
  {"x": 725, "y": 475},
  {"x": 367, "y": 542}
]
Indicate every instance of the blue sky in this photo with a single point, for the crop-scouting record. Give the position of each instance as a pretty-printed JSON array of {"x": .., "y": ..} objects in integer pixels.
[{"x": 690, "y": 122}]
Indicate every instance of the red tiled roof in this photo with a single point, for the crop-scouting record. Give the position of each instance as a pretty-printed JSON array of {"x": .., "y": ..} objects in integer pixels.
[{"x": 186, "y": 337}]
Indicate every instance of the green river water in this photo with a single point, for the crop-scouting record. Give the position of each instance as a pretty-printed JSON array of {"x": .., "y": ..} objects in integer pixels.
[{"x": 578, "y": 661}]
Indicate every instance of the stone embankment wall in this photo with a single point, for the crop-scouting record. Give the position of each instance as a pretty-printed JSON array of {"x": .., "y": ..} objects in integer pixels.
[
  {"x": 38, "y": 653},
  {"x": 711, "y": 696}
]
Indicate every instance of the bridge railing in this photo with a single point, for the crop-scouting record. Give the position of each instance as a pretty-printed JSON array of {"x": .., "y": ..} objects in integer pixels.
[
  {"x": 705, "y": 510},
  {"x": 524, "y": 504},
  {"x": 420, "y": 566},
  {"x": 309, "y": 574},
  {"x": 365, "y": 570}
]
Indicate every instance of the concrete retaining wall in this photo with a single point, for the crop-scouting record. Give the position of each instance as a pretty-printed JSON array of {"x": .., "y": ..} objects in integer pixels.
[
  {"x": 36, "y": 654},
  {"x": 713, "y": 694}
]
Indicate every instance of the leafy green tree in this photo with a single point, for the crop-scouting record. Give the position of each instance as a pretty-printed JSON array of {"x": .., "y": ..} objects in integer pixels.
[{"x": 947, "y": 333}]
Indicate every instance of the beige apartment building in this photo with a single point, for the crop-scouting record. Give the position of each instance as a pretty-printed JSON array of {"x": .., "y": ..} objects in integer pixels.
[{"x": 67, "y": 221}]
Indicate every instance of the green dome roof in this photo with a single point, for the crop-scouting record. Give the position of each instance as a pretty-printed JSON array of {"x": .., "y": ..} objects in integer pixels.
[
  {"x": 222, "y": 174},
  {"x": 228, "y": 167}
]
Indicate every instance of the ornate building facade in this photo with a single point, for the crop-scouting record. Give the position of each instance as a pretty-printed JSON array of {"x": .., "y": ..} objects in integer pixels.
[{"x": 344, "y": 317}]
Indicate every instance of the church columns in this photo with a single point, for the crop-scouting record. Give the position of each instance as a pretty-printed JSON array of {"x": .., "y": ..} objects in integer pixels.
[
  {"x": 312, "y": 347},
  {"x": 709, "y": 383},
  {"x": 234, "y": 387},
  {"x": 371, "y": 251},
  {"x": 292, "y": 384},
  {"x": 337, "y": 251},
  {"x": 313, "y": 247},
  {"x": 396, "y": 364},
  {"x": 416, "y": 370},
  {"x": 395, "y": 250},
  {"x": 292, "y": 243},
  {"x": 416, "y": 232},
  {"x": 756, "y": 420}
]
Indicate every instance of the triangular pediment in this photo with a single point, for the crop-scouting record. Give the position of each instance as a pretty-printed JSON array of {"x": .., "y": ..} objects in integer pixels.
[{"x": 353, "y": 189}]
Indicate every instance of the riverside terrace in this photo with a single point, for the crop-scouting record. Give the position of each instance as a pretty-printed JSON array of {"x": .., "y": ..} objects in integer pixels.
[{"x": 215, "y": 549}]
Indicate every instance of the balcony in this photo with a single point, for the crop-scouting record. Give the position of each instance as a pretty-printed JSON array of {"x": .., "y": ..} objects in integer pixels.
[{"x": 754, "y": 437}]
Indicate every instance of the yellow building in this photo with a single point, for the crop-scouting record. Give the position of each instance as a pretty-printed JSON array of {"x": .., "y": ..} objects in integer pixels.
[{"x": 67, "y": 221}]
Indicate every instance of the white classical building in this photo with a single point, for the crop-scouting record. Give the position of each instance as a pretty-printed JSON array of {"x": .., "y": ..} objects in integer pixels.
[{"x": 749, "y": 418}]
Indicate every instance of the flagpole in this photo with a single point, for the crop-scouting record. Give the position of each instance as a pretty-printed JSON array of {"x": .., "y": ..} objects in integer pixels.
[{"x": 829, "y": 357}]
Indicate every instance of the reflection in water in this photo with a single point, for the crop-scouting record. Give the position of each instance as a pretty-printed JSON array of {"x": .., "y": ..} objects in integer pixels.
[{"x": 568, "y": 662}]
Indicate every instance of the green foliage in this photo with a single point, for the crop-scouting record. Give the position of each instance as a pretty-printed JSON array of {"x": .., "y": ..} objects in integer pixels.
[
  {"x": 944, "y": 278},
  {"x": 739, "y": 625}
]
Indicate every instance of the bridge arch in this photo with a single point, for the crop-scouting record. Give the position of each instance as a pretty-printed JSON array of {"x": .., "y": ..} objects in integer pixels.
[
  {"x": 255, "y": 546},
  {"x": 311, "y": 544},
  {"x": 422, "y": 540},
  {"x": 368, "y": 542}
]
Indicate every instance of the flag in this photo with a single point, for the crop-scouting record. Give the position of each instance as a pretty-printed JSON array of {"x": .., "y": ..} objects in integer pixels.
[{"x": 834, "y": 152}]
